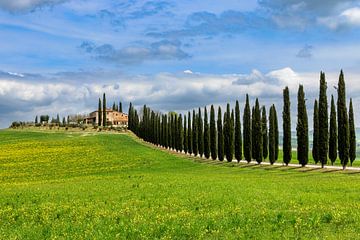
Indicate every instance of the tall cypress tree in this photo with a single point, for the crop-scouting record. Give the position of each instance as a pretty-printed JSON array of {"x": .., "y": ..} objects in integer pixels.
[
  {"x": 213, "y": 148},
  {"x": 238, "y": 139},
  {"x": 120, "y": 107},
  {"x": 180, "y": 136},
  {"x": 220, "y": 136},
  {"x": 323, "y": 119},
  {"x": 195, "y": 134},
  {"x": 185, "y": 137},
  {"x": 287, "y": 128},
  {"x": 166, "y": 132},
  {"x": 189, "y": 134},
  {"x": 315, "y": 148},
  {"x": 264, "y": 132},
  {"x": 114, "y": 107},
  {"x": 276, "y": 127},
  {"x": 302, "y": 131},
  {"x": 333, "y": 133},
  {"x": 206, "y": 135},
  {"x": 257, "y": 133},
  {"x": 247, "y": 130},
  {"x": 200, "y": 128},
  {"x": 104, "y": 111},
  {"x": 253, "y": 133},
  {"x": 99, "y": 113},
  {"x": 272, "y": 144},
  {"x": 228, "y": 134},
  {"x": 343, "y": 122},
  {"x": 352, "y": 134}
]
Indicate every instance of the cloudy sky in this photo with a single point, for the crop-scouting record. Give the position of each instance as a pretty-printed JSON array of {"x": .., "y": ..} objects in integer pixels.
[{"x": 59, "y": 56}]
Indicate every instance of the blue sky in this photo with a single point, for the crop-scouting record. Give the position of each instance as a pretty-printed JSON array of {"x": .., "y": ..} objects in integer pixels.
[{"x": 58, "y": 56}]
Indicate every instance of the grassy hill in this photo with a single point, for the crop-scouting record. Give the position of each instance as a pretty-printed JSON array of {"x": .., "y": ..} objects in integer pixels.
[{"x": 105, "y": 186}]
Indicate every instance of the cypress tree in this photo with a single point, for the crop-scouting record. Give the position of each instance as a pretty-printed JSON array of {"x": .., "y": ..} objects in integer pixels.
[
  {"x": 100, "y": 114},
  {"x": 36, "y": 120},
  {"x": 257, "y": 133},
  {"x": 352, "y": 134},
  {"x": 220, "y": 136},
  {"x": 264, "y": 132},
  {"x": 253, "y": 133},
  {"x": 104, "y": 111},
  {"x": 333, "y": 133},
  {"x": 130, "y": 116},
  {"x": 200, "y": 128},
  {"x": 166, "y": 132},
  {"x": 315, "y": 148},
  {"x": 63, "y": 121},
  {"x": 213, "y": 148},
  {"x": 343, "y": 122},
  {"x": 272, "y": 145},
  {"x": 170, "y": 131},
  {"x": 114, "y": 107},
  {"x": 228, "y": 134},
  {"x": 323, "y": 119},
  {"x": 302, "y": 129},
  {"x": 180, "y": 134},
  {"x": 247, "y": 130},
  {"x": 185, "y": 137},
  {"x": 189, "y": 134},
  {"x": 238, "y": 139},
  {"x": 232, "y": 133},
  {"x": 195, "y": 134},
  {"x": 276, "y": 127},
  {"x": 120, "y": 107},
  {"x": 206, "y": 135},
  {"x": 286, "y": 128}
]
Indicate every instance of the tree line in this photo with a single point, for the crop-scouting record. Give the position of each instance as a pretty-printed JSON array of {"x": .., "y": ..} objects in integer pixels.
[{"x": 221, "y": 138}]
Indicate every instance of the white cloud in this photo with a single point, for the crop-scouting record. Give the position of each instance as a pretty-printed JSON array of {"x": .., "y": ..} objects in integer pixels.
[
  {"x": 349, "y": 17},
  {"x": 26, "y": 5}
]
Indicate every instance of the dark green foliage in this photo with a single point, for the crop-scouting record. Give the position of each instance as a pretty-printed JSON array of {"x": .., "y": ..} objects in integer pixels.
[
  {"x": 315, "y": 148},
  {"x": 185, "y": 136},
  {"x": 100, "y": 114},
  {"x": 352, "y": 134},
  {"x": 333, "y": 133},
  {"x": 276, "y": 126},
  {"x": 120, "y": 107},
  {"x": 238, "y": 139},
  {"x": 206, "y": 135},
  {"x": 286, "y": 128},
  {"x": 220, "y": 136},
  {"x": 194, "y": 134},
  {"x": 302, "y": 130},
  {"x": 264, "y": 129},
  {"x": 343, "y": 122},
  {"x": 189, "y": 134},
  {"x": 228, "y": 134},
  {"x": 180, "y": 134},
  {"x": 323, "y": 119},
  {"x": 272, "y": 135},
  {"x": 200, "y": 129},
  {"x": 36, "y": 120},
  {"x": 247, "y": 130},
  {"x": 213, "y": 147},
  {"x": 64, "y": 121},
  {"x": 257, "y": 134},
  {"x": 104, "y": 111},
  {"x": 114, "y": 107}
]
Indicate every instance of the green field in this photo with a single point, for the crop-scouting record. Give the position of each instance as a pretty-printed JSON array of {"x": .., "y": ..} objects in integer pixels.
[{"x": 112, "y": 186}]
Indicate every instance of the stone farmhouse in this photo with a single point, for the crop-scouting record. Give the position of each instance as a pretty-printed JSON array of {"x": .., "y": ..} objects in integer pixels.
[{"x": 113, "y": 118}]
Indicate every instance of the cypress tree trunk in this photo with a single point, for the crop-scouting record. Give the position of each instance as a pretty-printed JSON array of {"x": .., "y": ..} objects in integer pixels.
[
  {"x": 247, "y": 130},
  {"x": 302, "y": 129},
  {"x": 257, "y": 133},
  {"x": 220, "y": 137},
  {"x": 206, "y": 135},
  {"x": 100, "y": 114},
  {"x": 323, "y": 119},
  {"x": 195, "y": 134},
  {"x": 238, "y": 139},
  {"x": 200, "y": 134},
  {"x": 315, "y": 149},
  {"x": 213, "y": 134},
  {"x": 189, "y": 134},
  {"x": 272, "y": 136},
  {"x": 264, "y": 132},
  {"x": 185, "y": 136},
  {"x": 343, "y": 122},
  {"x": 352, "y": 134},
  {"x": 333, "y": 133},
  {"x": 104, "y": 111},
  {"x": 287, "y": 128}
]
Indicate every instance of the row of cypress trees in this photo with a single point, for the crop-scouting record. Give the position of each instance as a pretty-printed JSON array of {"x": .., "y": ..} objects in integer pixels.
[{"x": 222, "y": 138}]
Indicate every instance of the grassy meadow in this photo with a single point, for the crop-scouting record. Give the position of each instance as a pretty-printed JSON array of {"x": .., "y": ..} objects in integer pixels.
[{"x": 112, "y": 186}]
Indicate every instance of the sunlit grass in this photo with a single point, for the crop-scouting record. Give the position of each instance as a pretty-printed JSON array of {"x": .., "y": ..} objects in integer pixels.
[{"x": 72, "y": 186}]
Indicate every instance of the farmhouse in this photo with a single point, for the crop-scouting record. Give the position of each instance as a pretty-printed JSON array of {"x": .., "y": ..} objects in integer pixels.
[{"x": 113, "y": 118}]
